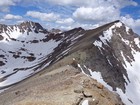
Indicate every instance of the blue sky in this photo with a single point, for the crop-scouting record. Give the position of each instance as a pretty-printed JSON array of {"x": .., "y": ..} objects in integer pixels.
[{"x": 68, "y": 14}]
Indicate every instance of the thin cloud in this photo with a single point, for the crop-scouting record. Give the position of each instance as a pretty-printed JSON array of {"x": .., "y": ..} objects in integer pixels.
[
  {"x": 11, "y": 17},
  {"x": 43, "y": 16}
]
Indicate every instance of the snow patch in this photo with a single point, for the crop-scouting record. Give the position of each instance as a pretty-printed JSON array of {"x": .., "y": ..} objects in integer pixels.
[
  {"x": 98, "y": 43},
  {"x": 20, "y": 75},
  {"x": 81, "y": 69},
  {"x": 127, "y": 42},
  {"x": 137, "y": 42},
  {"x": 109, "y": 62},
  {"x": 106, "y": 37},
  {"x": 75, "y": 38},
  {"x": 15, "y": 33},
  {"x": 127, "y": 29},
  {"x": 118, "y": 24},
  {"x": 98, "y": 77},
  {"x": 85, "y": 102},
  {"x": 132, "y": 94}
]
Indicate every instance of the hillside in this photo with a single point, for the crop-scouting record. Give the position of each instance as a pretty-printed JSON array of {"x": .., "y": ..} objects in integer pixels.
[
  {"x": 62, "y": 86},
  {"x": 36, "y": 60}
]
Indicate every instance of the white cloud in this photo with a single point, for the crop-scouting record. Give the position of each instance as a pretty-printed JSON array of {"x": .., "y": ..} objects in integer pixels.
[
  {"x": 77, "y": 24},
  {"x": 5, "y": 4},
  {"x": 97, "y": 14},
  {"x": 99, "y": 10},
  {"x": 93, "y": 3},
  {"x": 123, "y": 3},
  {"x": 87, "y": 13},
  {"x": 11, "y": 17},
  {"x": 43, "y": 16},
  {"x": 133, "y": 23},
  {"x": 67, "y": 21}
]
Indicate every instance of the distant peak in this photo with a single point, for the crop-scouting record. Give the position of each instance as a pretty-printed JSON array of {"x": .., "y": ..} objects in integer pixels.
[
  {"x": 53, "y": 30},
  {"x": 3, "y": 25},
  {"x": 30, "y": 24},
  {"x": 116, "y": 24},
  {"x": 26, "y": 25},
  {"x": 116, "y": 21},
  {"x": 78, "y": 28}
]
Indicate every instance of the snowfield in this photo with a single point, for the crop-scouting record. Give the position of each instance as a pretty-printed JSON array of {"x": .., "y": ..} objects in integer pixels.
[{"x": 21, "y": 48}]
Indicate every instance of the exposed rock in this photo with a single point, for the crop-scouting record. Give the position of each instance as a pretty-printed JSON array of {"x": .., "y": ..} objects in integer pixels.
[
  {"x": 31, "y": 58},
  {"x": 78, "y": 90},
  {"x": 1, "y": 37},
  {"x": 34, "y": 41},
  {"x": 100, "y": 86},
  {"x": 55, "y": 31},
  {"x": 2, "y": 63},
  {"x": 51, "y": 89}
]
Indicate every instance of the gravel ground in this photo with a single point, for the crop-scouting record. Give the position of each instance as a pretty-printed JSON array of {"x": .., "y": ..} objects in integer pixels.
[{"x": 63, "y": 86}]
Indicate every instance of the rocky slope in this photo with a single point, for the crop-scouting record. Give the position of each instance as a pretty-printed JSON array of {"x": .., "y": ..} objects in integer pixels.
[
  {"x": 109, "y": 54},
  {"x": 63, "y": 86}
]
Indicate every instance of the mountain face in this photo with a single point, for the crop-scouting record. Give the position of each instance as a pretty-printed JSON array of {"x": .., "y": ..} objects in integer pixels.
[
  {"x": 109, "y": 54},
  {"x": 27, "y": 48}
]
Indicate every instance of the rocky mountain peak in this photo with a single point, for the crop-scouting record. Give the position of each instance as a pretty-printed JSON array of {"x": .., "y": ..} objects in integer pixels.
[
  {"x": 3, "y": 28},
  {"x": 116, "y": 44},
  {"x": 30, "y": 24},
  {"x": 55, "y": 31},
  {"x": 27, "y": 26}
]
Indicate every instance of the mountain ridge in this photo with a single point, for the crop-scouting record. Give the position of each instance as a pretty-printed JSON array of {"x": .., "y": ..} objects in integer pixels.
[{"x": 105, "y": 52}]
